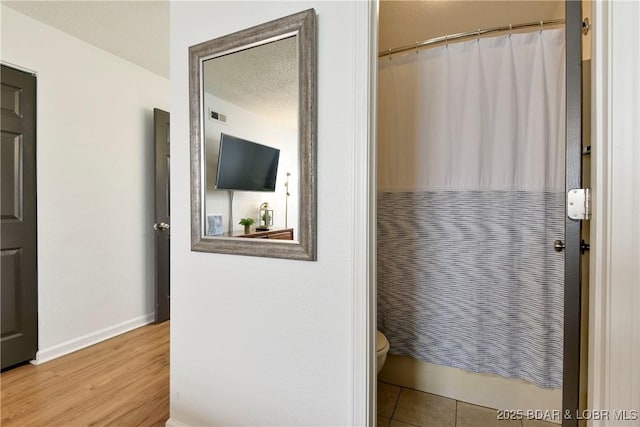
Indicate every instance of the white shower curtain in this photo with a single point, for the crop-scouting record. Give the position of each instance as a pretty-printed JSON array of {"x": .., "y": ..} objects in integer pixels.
[{"x": 471, "y": 198}]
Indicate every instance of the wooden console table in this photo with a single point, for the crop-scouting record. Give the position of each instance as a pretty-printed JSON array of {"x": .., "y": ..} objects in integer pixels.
[{"x": 280, "y": 234}]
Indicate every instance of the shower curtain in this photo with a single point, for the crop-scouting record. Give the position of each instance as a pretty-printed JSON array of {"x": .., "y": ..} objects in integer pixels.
[{"x": 470, "y": 201}]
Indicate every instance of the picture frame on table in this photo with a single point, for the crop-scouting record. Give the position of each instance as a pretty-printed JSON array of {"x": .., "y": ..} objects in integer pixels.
[{"x": 215, "y": 225}]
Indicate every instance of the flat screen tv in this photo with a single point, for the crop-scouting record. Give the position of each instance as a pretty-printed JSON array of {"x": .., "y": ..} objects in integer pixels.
[{"x": 246, "y": 166}]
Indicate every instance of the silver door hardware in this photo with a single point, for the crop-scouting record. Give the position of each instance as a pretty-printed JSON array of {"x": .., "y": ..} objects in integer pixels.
[
  {"x": 559, "y": 246},
  {"x": 579, "y": 203},
  {"x": 161, "y": 226}
]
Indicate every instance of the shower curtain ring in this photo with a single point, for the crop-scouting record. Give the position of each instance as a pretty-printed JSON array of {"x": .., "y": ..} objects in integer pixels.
[
  {"x": 510, "y": 30},
  {"x": 416, "y": 48},
  {"x": 541, "y": 23},
  {"x": 478, "y": 35},
  {"x": 446, "y": 40},
  {"x": 389, "y": 54}
]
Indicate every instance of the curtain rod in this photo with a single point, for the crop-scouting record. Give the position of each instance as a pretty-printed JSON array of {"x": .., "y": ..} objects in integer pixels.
[{"x": 477, "y": 33}]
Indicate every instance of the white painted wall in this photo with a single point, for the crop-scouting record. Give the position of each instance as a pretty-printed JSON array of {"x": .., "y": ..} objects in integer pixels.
[
  {"x": 259, "y": 341},
  {"x": 403, "y": 23},
  {"x": 95, "y": 184},
  {"x": 247, "y": 125}
]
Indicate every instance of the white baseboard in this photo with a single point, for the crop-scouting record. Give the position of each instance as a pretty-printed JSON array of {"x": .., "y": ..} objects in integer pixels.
[
  {"x": 173, "y": 423},
  {"x": 487, "y": 390},
  {"x": 79, "y": 343}
]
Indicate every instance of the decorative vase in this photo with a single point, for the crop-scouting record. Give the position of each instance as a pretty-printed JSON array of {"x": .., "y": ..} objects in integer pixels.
[{"x": 247, "y": 229}]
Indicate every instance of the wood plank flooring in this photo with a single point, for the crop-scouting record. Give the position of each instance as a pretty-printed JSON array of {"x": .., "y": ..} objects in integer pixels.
[{"x": 123, "y": 381}]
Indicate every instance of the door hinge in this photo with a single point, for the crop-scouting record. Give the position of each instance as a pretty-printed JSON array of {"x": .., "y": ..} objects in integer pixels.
[
  {"x": 586, "y": 26},
  {"x": 579, "y": 203}
]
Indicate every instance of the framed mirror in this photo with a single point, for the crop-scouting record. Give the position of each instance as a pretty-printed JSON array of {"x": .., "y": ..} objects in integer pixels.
[{"x": 252, "y": 100}]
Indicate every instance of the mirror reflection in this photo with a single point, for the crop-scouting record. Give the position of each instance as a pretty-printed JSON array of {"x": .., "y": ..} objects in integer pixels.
[
  {"x": 250, "y": 122},
  {"x": 252, "y": 109}
]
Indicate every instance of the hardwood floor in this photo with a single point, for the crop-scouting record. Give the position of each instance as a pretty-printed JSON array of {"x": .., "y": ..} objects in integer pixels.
[{"x": 123, "y": 381}]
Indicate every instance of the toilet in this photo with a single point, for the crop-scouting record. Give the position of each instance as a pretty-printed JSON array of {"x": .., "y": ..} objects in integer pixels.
[{"x": 382, "y": 348}]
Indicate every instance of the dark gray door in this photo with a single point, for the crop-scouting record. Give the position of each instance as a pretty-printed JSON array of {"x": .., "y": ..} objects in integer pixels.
[
  {"x": 162, "y": 214},
  {"x": 19, "y": 298},
  {"x": 572, "y": 285}
]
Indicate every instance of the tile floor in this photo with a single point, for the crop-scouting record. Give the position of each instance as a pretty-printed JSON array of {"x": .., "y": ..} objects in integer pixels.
[{"x": 404, "y": 407}]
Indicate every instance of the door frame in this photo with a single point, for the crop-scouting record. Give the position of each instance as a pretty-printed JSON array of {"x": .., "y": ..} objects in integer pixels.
[
  {"x": 364, "y": 309},
  {"x": 614, "y": 302},
  {"x": 572, "y": 253},
  {"x": 363, "y": 236}
]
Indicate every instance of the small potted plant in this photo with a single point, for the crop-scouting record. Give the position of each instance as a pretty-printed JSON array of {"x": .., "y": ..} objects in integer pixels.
[{"x": 247, "y": 222}]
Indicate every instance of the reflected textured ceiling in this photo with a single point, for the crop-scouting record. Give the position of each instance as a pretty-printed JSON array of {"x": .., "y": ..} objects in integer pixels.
[{"x": 263, "y": 80}]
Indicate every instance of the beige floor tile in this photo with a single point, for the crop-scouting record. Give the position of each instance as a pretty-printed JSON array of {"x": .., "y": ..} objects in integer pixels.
[
  {"x": 538, "y": 423},
  {"x": 387, "y": 398},
  {"x": 469, "y": 415},
  {"x": 425, "y": 409},
  {"x": 382, "y": 421},
  {"x": 395, "y": 423}
]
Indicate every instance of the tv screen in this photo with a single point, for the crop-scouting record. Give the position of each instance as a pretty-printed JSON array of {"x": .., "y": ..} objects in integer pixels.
[{"x": 246, "y": 166}]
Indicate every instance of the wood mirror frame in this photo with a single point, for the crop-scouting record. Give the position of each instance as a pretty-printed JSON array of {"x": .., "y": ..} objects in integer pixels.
[{"x": 303, "y": 26}]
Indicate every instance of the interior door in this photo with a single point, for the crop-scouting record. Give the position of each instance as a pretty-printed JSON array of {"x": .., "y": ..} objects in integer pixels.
[
  {"x": 18, "y": 238},
  {"x": 572, "y": 286},
  {"x": 162, "y": 214}
]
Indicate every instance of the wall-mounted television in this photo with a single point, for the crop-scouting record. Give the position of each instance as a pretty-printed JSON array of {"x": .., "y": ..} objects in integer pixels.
[{"x": 246, "y": 166}]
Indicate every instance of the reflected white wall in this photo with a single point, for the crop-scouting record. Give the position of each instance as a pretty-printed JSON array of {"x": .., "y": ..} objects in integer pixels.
[{"x": 247, "y": 125}]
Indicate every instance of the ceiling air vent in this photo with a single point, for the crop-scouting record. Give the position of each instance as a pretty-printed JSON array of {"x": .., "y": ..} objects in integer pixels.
[{"x": 217, "y": 116}]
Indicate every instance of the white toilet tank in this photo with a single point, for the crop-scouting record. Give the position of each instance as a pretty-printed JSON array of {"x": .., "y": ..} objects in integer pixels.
[{"x": 382, "y": 348}]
